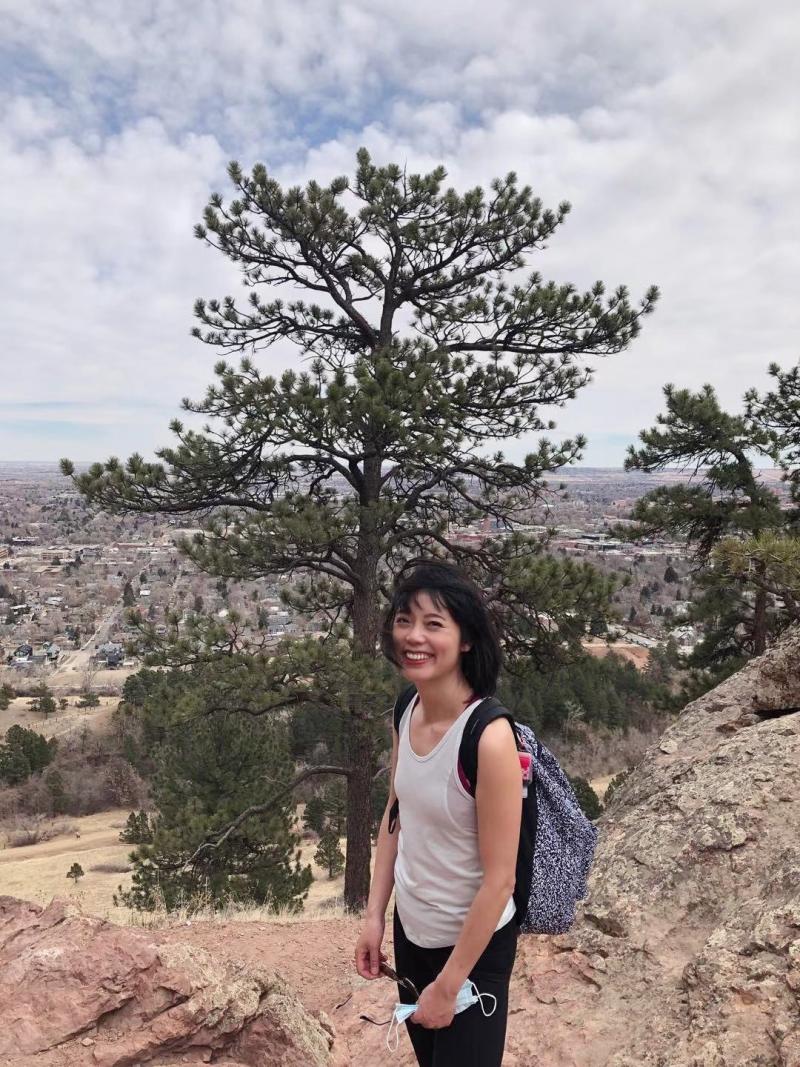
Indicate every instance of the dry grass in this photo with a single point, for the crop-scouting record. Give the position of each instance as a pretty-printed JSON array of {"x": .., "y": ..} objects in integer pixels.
[
  {"x": 32, "y": 830},
  {"x": 60, "y": 722},
  {"x": 38, "y": 872},
  {"x": 324, "y": 901},
  {"x": 200, "y": 912},
  {"x": 600, "y": 785}
]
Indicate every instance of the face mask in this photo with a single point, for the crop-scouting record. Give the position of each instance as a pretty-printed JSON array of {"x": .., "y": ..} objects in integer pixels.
[{"x": 467, "y": 996}]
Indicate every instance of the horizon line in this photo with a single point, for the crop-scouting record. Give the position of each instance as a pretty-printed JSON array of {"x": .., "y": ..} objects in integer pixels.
[{"x": 570, "y": 467}]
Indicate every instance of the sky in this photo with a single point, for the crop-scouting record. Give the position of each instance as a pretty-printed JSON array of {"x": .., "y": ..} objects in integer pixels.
[{"x": 672, "y": 129}]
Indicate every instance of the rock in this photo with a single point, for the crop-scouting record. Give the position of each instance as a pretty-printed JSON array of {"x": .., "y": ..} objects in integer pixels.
[
  {"x": 146, "y": 1002},
  {"x": 669, "y": 746}
]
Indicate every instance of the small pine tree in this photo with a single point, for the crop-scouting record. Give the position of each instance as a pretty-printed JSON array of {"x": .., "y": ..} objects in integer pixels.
[
  {"x": 314, "y": 814},
  {"x": 145, "y": 828},
  {"x": 329, "y": 854},
  {"x": 204, "y": 775},
  {"x": 616, "y": 782},
  {"x": 334, "y": 799},
  {"x": 586, "y": 797},
  {"x": 137, "y": 830},
  {"x": 670, "y": 574},
  {"x": 43, "y": 700},
  {"x": 58, "y": 794},
  {"x": 24, "y": 752},
  {"x": 15, "y": 766},
  {"x": 75, "y": 872}
]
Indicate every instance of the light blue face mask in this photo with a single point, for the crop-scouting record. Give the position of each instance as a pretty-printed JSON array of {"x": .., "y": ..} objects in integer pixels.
[{"x": 467, "y": 996}]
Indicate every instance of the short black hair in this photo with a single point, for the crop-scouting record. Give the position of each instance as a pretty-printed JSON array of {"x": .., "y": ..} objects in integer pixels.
[{"x": 447, "y": 585}]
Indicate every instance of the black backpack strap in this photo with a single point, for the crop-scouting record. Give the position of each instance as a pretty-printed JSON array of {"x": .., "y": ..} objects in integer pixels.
[
  {"x": 487, "y": 711},
  {"x": 400, "y": 706}
]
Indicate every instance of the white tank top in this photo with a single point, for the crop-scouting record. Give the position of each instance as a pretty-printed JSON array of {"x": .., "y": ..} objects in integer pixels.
[{"x": 438, "y": 868}]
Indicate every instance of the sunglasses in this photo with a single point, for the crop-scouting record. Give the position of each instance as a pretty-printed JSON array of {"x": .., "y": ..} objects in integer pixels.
[
  {"x": 389, "y": 972},
  {"x": 406, "y": 983}
]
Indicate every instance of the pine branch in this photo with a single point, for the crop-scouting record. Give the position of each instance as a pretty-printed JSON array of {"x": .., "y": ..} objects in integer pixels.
[{"x": 260, "y": 809}]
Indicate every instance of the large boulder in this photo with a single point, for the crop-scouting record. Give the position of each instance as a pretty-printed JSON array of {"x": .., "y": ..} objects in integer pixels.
[
  {"x": 696, "y": 891},
  {"x": 79, "y": 990},
  {"x": 687, "y": 951}
]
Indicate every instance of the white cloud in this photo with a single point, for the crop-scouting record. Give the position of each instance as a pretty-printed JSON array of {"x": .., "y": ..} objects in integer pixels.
[{"x": 672, "y": 130}]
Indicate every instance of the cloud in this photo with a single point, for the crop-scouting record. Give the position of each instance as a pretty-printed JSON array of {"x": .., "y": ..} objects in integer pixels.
[{"x": 672, "y": 130}]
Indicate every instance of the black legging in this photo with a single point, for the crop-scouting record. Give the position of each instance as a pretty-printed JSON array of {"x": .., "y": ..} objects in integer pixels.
[{"x": 472, "y": 1039}]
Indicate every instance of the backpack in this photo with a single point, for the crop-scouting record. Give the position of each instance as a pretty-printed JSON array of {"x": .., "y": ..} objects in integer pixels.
[{"x": 557, "y": 841}]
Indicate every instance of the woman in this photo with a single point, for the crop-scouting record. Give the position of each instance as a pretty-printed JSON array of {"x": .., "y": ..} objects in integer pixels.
[{"x": 452, "y": 864}]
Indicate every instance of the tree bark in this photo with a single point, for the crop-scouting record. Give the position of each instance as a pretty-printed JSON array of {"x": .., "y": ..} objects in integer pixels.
[
  {"x": 361, "y": 754},
  {"x": 760, "y": 618},
  {"x": 359, "y": 816}
]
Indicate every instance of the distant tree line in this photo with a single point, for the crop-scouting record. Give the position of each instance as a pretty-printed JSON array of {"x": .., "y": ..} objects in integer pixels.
[{"x": 607, "y": 693}]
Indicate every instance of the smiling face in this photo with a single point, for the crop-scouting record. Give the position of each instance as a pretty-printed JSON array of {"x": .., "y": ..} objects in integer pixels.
[{"x": 427, "y": 641}]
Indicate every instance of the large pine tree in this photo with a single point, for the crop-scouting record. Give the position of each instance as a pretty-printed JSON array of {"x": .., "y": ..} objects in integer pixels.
[{"x": 425, "y": 342}]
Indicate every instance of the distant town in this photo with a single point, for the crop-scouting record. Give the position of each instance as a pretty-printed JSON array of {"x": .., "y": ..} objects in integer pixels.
[{"x": 68, "y": 575}]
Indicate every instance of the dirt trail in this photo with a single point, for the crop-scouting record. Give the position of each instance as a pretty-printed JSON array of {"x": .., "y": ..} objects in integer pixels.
[
  {"x": 315, "y": 957},
  {"x": 635, "y": 654}
]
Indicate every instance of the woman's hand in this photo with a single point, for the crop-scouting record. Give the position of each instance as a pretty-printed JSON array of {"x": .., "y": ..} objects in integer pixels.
[
  {"x": 368, "y": 954},
  {"x": 435, "y": 1008}
]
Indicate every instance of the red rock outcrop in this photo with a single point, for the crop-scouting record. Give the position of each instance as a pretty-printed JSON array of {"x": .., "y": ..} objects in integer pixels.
[{"x": 80, "y": 991}]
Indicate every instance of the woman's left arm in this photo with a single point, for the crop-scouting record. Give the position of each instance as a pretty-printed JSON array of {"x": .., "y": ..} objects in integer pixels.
[{"x": 498, "y": 800}]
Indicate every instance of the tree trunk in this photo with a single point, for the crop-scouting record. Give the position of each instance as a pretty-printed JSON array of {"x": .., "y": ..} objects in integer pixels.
[
  {"x": 760, "y": 619},
  {"x": 359, "y": 816},
  {"x": 361, "y": 754}
]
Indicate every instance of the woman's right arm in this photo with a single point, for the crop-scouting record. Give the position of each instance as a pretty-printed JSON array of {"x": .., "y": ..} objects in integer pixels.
[{"x": 368, "y": 947}]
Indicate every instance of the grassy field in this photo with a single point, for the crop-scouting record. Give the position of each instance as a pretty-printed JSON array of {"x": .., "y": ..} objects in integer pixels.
[
  {"x": 18, "y": 713},
  {"x": 39, "y": 872}
]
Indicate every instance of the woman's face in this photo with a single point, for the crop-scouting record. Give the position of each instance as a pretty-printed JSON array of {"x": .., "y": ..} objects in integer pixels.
[{"x": 427, "y": 641}]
